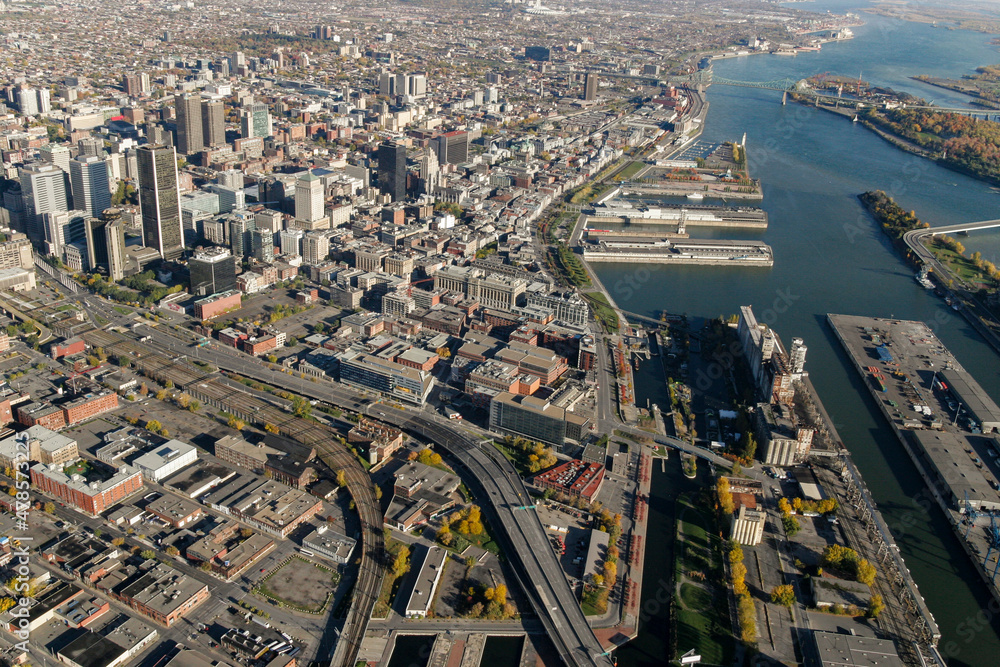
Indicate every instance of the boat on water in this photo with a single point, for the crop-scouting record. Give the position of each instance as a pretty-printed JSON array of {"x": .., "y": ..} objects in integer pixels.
[
  {"x": 855, "y": 119},
  {"x": 695, "y": 196},
  {"x": 923, "y": 280}
]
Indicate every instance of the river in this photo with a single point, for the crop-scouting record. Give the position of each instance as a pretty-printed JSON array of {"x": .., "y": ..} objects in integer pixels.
[{"x": 830, "y": 257}]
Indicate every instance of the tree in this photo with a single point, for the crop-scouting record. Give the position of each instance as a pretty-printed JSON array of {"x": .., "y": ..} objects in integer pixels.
[
  {"x": 784, "y": 507},
  {"x": 341, "y": 478},
  {"x": 168, "y": 384},
  {"x": 429, "y": 457},
  {"x": 205, "y": 566},
  {"x": 725, "y": 495},
  {"x": 148, "y": 554},
  {"x": 783, "y": 595},
  {"x": 378, "y": 493},
  {"x": 401, "y": 564},
  {"x": 97, "y": 531},
  {"x": 748, "y": 618},
  {"x": 172, "y": 550},
  {"x": 597, "y": 580},
  {"x": 866, "y": 572},
  {"x": 50, "y": 507},
  {"x": 736, "y": 554},
  {"x": 118, "y": 541},
  {"x": 875, "y": 606},
  {"x": 270, "y": 428},
  {"x": 301, "y": 407},
  {"x": 184, "y": 400},
  {"x": 154, "y": 426},
  {"x": 161, "y": 395},
  {"x": 470, "y": 562},
  {"x": 245, "y": 533}
]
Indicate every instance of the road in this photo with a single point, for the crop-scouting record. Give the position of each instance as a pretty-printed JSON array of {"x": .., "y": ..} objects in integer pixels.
[{"x": 493, "y": 478}]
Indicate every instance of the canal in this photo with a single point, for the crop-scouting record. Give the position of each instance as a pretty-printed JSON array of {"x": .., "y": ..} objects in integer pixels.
[{"x": 831, "y": 257}]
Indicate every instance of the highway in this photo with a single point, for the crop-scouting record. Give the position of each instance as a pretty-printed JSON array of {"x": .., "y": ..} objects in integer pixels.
[{"x": 499, "y": 489}]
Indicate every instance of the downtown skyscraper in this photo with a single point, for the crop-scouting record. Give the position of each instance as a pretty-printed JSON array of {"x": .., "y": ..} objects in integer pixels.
[
  {"x": 159, "y": 200},
  {"x": 190, "y": 131}
]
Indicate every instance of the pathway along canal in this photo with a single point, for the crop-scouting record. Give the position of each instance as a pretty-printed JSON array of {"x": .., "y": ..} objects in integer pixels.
[{"x": 830, "y": 257}]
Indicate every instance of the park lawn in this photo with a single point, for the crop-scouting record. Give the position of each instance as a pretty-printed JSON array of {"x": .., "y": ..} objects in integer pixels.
[
  {"x": 628, "y": 172},
  {"x": 603, "y": 311},
  {"x": 960, "y": 265},
  {"x": 701, "y": 620}
]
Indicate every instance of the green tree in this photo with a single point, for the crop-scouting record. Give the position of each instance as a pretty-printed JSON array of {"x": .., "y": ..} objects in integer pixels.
[
  {"x": 148, "y": 554},
  {"x": 401, "y": 564},
  {"x": 50, "y": 507},
  {"x": 875, "y": 606}
]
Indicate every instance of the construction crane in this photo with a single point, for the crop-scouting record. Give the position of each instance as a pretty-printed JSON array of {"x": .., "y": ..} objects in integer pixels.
[{"x": 994, "y": 545}]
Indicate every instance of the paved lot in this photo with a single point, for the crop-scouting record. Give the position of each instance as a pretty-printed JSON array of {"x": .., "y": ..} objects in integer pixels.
[{"x": 301, "y": 583}]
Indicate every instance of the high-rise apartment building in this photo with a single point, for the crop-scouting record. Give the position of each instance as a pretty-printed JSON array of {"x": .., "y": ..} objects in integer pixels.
[
  {"x": 88, "y": 176},
  {"x": 159, "y": 200},
  {"x": 190, "y": 135},
  {"x": 262, "y": 245},
  {"x": 213, "y": 122},
  {"x": 56, "y": 155},
  {"x": 315, "y": 247},
  {"x": 255, "y": 121},
  {"x": 392, "y": 170}
]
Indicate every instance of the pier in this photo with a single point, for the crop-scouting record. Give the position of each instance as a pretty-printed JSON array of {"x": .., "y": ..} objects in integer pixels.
[
  {"x": 739, "y": 217},
  {"x": 942, "y": 418},
  {"x": 708, "y": 252}
]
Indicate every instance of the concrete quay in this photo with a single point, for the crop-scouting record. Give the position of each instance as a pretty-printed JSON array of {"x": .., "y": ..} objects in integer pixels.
[
  {"x": 711, "y": 252},
  {"x": 952, "y": 460}
]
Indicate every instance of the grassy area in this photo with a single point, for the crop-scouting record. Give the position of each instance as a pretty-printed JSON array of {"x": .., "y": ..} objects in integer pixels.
[
  {"x": 81, "y": 467},
  {"x": 603, "y": 311},
  {"x": 390, "y": 584},
  {"x": 629, "y": 171},
  {"x": 123, "y": 311},
  {"x": 517, "y": 457},
  {"x": 701, "y": 620},
  {"x": 960, "y": 265},
  {"x": 572, "y": 267}
]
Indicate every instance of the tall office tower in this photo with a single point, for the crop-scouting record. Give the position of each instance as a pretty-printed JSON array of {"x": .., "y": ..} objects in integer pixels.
[
  {"x": 240, "y": 227},
  {"x": 309, "y": 198},
  {"x": 91, "y": 146},
  {"x": 590, "y": 87},
  {"x": 494, "y": 78},
  {"x": 255, "y": 121},
  {"x": 430, "y": 172},
  {"x": 43, "y": 189},
  {"x": 27, "y": 101},
  {"x": 91, "y": 190},
  {"x": 315, "y": 247},
  {"x": 262, "y": 245},
  {"x": 213, "y": 270},
  {"x": 291, "y": 241},
  {"x": 237, "y": 60},
  {"x": 159, "y": 200},
  {"x": 213, "y": 122},
  {"x": 269, "y": 220},
  {"x": 417, "y": 85},
  {"x": 386, "y": 84},
  {"x": 56, "y": 155},
  {"x": 453, "y": 147},
  {"x": 392, "y": 170},
  {"x": 106, "y": 244},
  {"x": 144, "y": 86},
  {"x": 222, "y": 67},
  {"x": 62, "y": 227},
  {"x": 492, "y": 95},
  {"x": 190, "y": 138},
  {"x": 44, "y": 101}
]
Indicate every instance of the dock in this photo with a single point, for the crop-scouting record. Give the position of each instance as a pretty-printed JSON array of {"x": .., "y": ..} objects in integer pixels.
[
  {"x": 734, "y": 217},
  {"x": 943, "y": 419},
  {"x": 706, "y": 252}
]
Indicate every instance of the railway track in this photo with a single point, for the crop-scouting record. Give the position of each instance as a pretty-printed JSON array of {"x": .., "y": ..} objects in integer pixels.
[{"x": 207, "y": 388}]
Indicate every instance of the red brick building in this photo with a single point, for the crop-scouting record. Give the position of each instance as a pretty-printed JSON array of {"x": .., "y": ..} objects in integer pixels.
[
  {"x": 90, "y": 498},
  {"x": 67, "y": 347},
  {"x": 217, "y": 304},
  {"x": 88, "y": 406},
  {"x": 575, "y": 478}
]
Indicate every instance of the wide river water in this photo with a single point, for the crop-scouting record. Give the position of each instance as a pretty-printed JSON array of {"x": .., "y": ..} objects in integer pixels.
[{"x": 831, "y": 258}]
